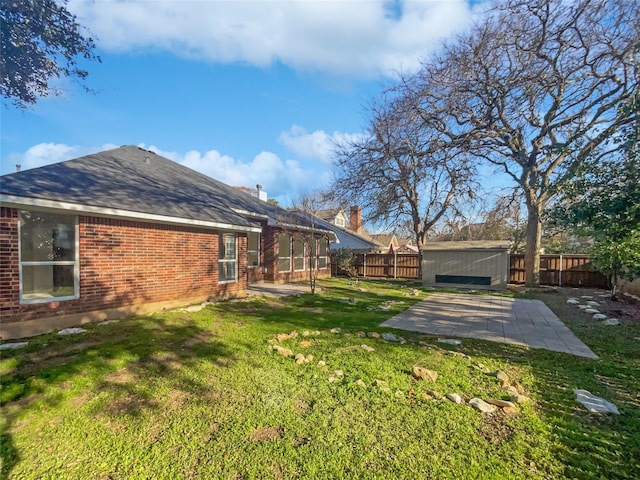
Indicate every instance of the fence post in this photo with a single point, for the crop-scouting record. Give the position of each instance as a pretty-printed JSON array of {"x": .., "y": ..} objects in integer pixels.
[
  {"x": 364, "y": 265},
  {"x": 395, "y": 265},
  {"x": 560, "y": 272}
]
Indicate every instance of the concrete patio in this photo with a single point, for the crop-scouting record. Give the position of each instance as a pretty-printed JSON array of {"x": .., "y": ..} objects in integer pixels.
[{"x": 498, "y": 319}]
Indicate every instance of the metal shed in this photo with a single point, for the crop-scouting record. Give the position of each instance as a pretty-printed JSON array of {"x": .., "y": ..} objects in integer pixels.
[{"x": 477, "y": 264}]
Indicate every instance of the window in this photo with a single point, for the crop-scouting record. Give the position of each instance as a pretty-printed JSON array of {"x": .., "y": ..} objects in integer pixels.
[
  {"x": 228, "y": 258},
  {"x": 284, "y": 252},
  {"x": 298, "y": 254},
  {"x": 48, "y": 257},
  {"x": 253, "y": 249},
  {"x": 322, "y": 253},
  {"x": 319, "y": 251},
  {"x": 340, "y": 221}
]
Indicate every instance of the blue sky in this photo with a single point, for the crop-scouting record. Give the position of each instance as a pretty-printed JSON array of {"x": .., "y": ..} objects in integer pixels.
[{"x": 244, "y": 91}]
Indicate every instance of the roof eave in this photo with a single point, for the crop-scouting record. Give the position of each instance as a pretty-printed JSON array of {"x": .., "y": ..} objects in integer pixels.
[{"x": 59, "y": 206}]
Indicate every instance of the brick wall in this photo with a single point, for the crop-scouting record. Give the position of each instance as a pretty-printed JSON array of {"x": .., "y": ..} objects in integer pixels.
[
  {"x": 270, "y": 257},
  {"x": 124, "y": 263}
]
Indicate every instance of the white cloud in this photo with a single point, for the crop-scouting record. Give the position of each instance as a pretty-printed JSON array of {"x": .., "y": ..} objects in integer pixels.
[
  {"x": 361, "y": 38},
  {"x": 317, "y": 145}
]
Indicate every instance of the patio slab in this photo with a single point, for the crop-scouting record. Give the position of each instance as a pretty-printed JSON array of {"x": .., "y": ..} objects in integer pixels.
[{"x": 514, "y": 321}]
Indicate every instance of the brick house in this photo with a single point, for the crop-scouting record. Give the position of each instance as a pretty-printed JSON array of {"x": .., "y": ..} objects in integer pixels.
[{"x": 126, "y": 231}]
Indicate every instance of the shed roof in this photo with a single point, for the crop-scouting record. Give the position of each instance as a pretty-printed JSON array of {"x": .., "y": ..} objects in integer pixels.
[{"x": 468, "y": 245}]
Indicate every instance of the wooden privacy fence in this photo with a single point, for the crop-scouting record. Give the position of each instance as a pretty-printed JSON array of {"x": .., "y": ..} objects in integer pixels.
[
  {"x": 555, "y": 270},
  {"x": 383, "y": 265},
  {"x": 561, "y": 271}
]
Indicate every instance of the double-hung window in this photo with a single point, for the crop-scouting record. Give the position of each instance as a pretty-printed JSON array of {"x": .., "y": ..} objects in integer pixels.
[
  {"x": 298, "y": 254},
  {"x": 322, "y": 252},
  {"x": 227, "y": 258},
  {"x": 253, "y": 249},
  {"x": 284, "y": 252},
  {"x": 49, "y": 268}
]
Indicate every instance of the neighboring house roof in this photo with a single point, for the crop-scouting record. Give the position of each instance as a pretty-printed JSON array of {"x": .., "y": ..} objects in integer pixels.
[
  {"x": 406, "y": 249},
  {"x": 346, "y": 238},
  {"x": 386, "y": 239},
  {"x": 329, "y": 214},
  {"x": 129, "y": 181}
]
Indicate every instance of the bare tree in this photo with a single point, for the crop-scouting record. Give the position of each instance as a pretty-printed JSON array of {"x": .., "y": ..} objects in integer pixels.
[
  {"x": 307, "y": 207},
  {"x": 400, "y": 172},
  {"x": 534, "y": 89}
]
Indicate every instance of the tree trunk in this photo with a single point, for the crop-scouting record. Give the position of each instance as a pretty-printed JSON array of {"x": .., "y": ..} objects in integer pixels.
[{"x": 534, "y": 240}]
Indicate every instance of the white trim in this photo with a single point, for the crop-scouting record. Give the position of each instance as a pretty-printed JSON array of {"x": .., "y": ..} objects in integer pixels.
[
  {"x": 295, "y": 257},
  {"x": 257, "y": 251},
  {"x": 75, "y": 263},
  {"x": 56, "y": 206},
  {"x": 225, "y": 261}
]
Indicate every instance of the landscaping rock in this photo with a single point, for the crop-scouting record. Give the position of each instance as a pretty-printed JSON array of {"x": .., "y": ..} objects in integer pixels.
[
  {"x": 599, "y": 316},
  {"x": 422, "y": 373},
  {"x": 305, "y": 344},
  {"x": 435, "y": 395},
  {"x": 501, "y": 403},
  {"x": 360, "y": 383},
  {"x": 593, "y": 403},
  {"x": 450, "y": 341},
  {"x": 361, "y": 334},
  {"x": 587, "y": 297},
  {"x": 593, "y": 303},
  {"x": 322, "y": 363},
  {"x": 611, "y": 321},
  {"x": 281, "y": 337},
  {"x": 367, "y": 348},
  {"x": 299, "y": 358},
  {"x": 71, "y": 331},
  {"x": 481, "y": 405},
  {"x": 373, "y": 335},
  {"x": 381, "y": 384},
  {"x": 583, "y": 307},
  {"x": 108, "y": 322},
  {"x": 573, "y": 301},
  {"x": 13, "y": 346},
  {"x": 306, "y": 333},
  {"x": 454, "y": 397},
  {"x": 339, "y": 373},
  {"x": 503, "y": 377},
  {"x": 390, "y": 337},
  {"x": 335, "y": 330},
  {"x": 511, "y": 390},
  {"x": 511, "y": 410},
  {"x": 308, "y": 358},
  {"x": 283, "y": 352},
  {"x": 517, "y": 398},
  {"x": 196, "y": 308},
  {"x": 591, "y": 310},
  {"x": 332, "y": 379}
]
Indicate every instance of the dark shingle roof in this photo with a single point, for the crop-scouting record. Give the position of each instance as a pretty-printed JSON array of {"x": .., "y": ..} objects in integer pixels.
[{"x": 131, "y": 178}]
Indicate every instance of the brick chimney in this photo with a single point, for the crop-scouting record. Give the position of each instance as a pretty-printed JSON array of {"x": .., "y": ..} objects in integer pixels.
[{"x": 355, "y": 219}]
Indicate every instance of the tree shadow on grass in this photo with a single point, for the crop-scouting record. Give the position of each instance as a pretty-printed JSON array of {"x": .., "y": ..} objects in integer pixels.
[{"x": 146, "y": 346}]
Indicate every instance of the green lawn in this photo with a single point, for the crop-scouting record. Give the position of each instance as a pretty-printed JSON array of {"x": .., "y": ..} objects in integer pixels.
[{"x": 203, "y": 395}]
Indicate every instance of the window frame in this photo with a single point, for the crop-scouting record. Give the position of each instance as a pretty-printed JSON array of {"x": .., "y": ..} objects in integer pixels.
[
  {"x": 75, "y": 262},
  {"x": 323, "y": 259},
  {"x": 256, "y": 252},
  {"x": 287, "y": 258},
  {"x": 302, "y": 256},
  {"x": 221, "y": 243}
]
